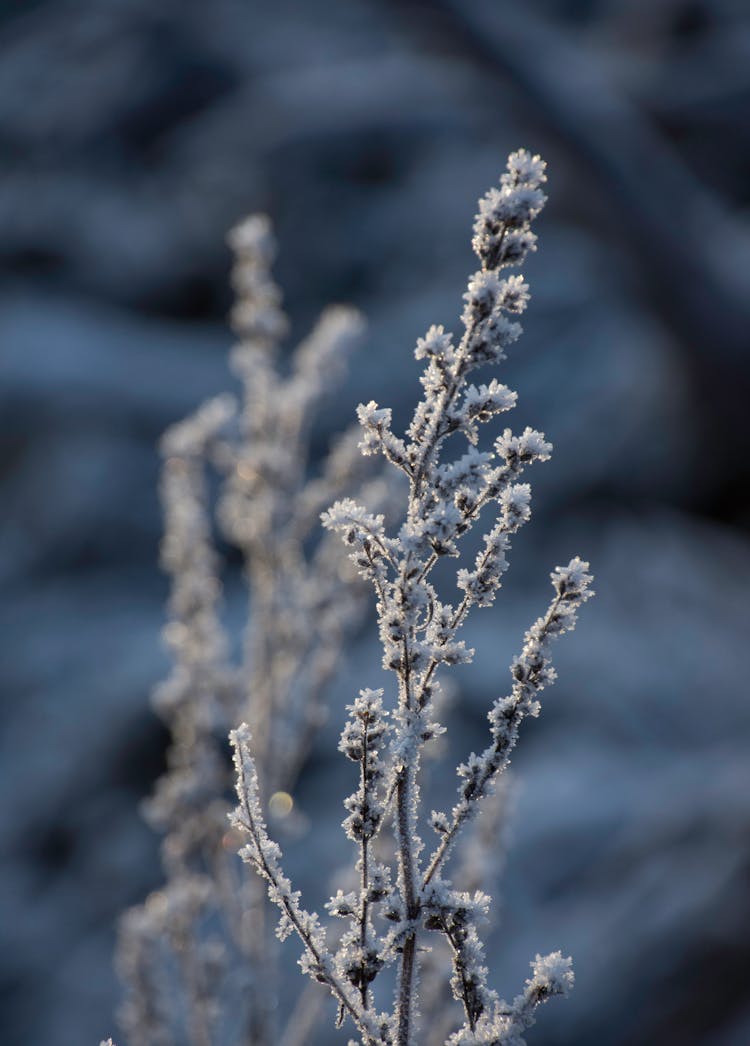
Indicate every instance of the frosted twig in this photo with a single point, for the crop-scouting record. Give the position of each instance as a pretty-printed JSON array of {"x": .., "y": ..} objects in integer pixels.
[
  {"x": 264, "y": 855},
  {"x": 188, "y": 948},
  {"x": 532, "y": 670},
  {"x": 302, "y": 608},
  {"x": 419, "y": 633}
]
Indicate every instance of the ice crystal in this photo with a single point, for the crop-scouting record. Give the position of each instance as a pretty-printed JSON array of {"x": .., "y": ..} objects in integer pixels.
[
  {"x": 198, "y": 946},
  {"x": 402, "y": 899}
]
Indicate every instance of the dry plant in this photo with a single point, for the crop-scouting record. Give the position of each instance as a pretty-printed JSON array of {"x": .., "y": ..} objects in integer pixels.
[
  {"x": 198, "y": 958},
  {"x": 405, "y": 897}
]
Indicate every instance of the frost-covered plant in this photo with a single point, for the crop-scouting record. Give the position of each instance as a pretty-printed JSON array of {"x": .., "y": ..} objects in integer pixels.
[
  {"x": 403, "y": 898},
  {"x": 198, "y": 956},
  {"x": 479, "y": 867}
]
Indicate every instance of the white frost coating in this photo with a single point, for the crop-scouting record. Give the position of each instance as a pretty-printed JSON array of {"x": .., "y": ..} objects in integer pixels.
[
  {"x": 264, "y": 854},
  {"x": 503, "y": 1024},
  {"x": 192, "y": 962},
  {"x": 301, "y": 613},
  {"x": 400, "y": 901},
  {"x": 437, "y": 345}
]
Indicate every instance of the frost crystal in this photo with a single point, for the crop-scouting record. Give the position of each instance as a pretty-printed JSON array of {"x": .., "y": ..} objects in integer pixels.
[
  {"x": 204, "y": 941},
  {"x": 402, "y": 898},
  {"x": 192, "y": 967}
]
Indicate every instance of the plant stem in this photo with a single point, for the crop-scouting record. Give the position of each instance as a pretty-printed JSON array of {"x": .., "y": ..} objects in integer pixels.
[
  {"x": 406, "y": 974},
  {"x": 364, "y": 880}
]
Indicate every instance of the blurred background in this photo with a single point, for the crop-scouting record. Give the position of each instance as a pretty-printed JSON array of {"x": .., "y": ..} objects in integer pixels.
[{"x": 133, "y": 135}]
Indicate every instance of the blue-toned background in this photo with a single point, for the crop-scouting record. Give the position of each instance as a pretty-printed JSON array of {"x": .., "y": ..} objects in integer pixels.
[{"x": 132, "y": 135}]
